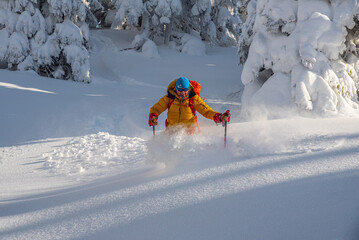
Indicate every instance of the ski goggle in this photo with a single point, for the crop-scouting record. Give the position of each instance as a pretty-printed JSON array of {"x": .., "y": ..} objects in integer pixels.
[{"x": 182, "y": 89}]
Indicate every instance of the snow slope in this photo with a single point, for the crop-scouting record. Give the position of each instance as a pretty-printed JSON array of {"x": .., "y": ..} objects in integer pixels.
[{"x": 78, "y": 161}]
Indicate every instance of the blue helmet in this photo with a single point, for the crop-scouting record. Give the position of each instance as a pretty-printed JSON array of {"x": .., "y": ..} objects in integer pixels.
[{"x": 182, "y": 82}]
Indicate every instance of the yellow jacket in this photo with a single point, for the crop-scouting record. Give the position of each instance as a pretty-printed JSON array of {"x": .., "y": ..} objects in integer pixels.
[{"x": 180, "y": 112}]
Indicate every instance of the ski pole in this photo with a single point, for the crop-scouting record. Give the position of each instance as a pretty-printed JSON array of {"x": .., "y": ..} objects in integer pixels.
[
  {"x": 224, "y": 123},
  {"x": 225, "y": 134},
  {"x": 153, "y": 130}
]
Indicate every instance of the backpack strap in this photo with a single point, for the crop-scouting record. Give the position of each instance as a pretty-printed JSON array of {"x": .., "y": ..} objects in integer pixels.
[
  {"x": 191, "y": 101},
  {"x": 191, "y": 105},
  {"x": 192, "y": 93},
  {"x": 171, "y": 97}
]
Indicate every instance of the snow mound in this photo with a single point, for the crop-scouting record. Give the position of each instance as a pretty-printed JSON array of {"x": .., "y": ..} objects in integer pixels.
[
  {"x": 270, "y": 100},
  {"x": 149, "y": 49},
  {"x": 193, "y": 46},
  {"x": 97, "y": 154}
]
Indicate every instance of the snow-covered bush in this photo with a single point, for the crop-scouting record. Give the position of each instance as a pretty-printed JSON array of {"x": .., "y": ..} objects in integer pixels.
[
  {"x": 308, "y": 46},
  {"x": 50, "y": 37}
]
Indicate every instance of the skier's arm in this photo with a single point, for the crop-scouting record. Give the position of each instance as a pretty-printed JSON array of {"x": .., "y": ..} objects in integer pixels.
[
  {"x": 160, "y": 106},
  {"x": 203, "y": 108}
]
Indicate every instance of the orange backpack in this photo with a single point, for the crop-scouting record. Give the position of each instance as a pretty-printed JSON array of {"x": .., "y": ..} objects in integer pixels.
[
  {"x": 197, "y": 89},
  {"x": 196, "y": 86}
]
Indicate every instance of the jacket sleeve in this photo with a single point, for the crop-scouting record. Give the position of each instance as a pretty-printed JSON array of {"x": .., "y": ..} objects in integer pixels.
[
  {"x": 160, "y": 106},
  {"x": 203, "y": 108}
]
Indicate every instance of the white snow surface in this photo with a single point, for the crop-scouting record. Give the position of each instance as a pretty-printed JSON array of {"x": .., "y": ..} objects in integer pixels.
[{"x": 78, "y": 161}]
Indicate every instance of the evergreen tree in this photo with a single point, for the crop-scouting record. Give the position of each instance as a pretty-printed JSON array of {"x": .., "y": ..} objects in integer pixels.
[
  {"x": 169, "y": 20},
  {"x": 247, "y": 13},
  {"x": 94, "y": 13},
  {"x": 51, "y": 37},
  {"x": 128, "y": 12},
  {"x": 226, "y": 19},
  {"x": 47, "y": 36}
]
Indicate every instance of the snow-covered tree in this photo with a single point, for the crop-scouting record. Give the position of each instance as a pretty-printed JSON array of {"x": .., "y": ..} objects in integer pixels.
[
  {"x": 197, "y": 17},
  {"x": 302, "y": 53},
  {"x": 160, "y": 17},
  {"x": 128, "y": 13},
  {"x": 47, "y": 36},
  {"x": 216, "y": 21},
  {"x": 226, "y": 19},
  {"x": 247, "y": 12},
  {"x": 94, "y": 12}
]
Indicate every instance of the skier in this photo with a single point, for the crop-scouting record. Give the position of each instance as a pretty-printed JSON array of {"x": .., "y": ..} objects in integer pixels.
[{"x": 182, "y": 101}]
